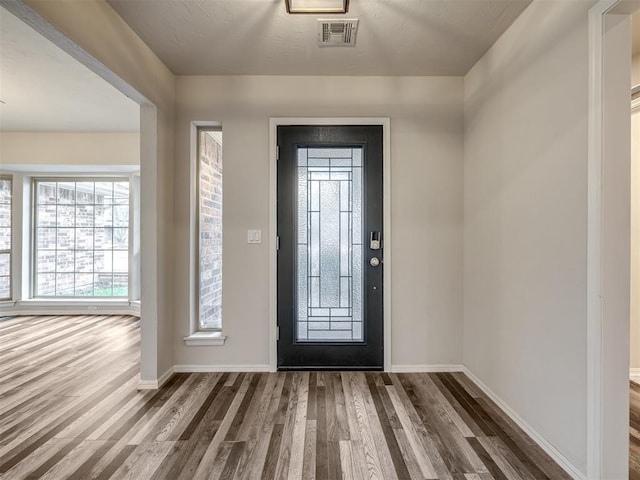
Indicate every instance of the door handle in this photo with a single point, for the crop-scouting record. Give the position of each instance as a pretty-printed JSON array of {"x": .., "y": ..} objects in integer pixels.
[{"x": 374, "y": 262}]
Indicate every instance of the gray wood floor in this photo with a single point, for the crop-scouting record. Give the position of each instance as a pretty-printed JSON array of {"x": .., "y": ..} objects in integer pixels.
[{"x": 69, "y": 408}]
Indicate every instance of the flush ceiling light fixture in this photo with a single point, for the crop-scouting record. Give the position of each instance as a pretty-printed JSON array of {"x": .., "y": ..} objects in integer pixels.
[{"x": 317, "y": 6}]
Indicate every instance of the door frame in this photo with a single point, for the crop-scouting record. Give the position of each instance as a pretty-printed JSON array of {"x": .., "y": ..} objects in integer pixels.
[
  {"x": 274, "y": 122},
  {"x": 607, "y": 316}
]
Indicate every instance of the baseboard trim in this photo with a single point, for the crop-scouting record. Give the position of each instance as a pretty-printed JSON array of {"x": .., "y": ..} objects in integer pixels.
[
  {"x": 634, "y": 372},
  {"x": 156, "y": 384},
  {"x": 426, "y": 368},
  {"x": 220, "y": 368},
  {"x": 560, "y": 459}
]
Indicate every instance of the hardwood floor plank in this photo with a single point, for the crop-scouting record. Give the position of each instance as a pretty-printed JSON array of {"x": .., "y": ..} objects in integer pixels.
[{"x": 69, "y": 408}]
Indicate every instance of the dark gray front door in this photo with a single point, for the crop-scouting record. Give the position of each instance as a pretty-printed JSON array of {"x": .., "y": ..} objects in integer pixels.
[{"x": 330, "y": 271}]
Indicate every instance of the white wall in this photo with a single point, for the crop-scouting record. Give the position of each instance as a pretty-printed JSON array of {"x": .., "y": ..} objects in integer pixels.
[
  {"x": 35, "y": 148},
  {"x": 525, "y": 221},
  {"x": 426, "y": 203},
  {"x": 635, "y": 222},
  {"x": 127, "y": 62}
]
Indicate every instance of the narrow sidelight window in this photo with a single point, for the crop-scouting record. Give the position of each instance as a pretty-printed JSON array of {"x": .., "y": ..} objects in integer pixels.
[
  {"x": 209, "y": 198},
  {"x": 5, "y": 238},
  {"x": 81, "y": 244}
]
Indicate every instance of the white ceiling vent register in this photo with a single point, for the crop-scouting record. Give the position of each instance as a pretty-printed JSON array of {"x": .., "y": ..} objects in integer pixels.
[{"x": 337, "y": 33}]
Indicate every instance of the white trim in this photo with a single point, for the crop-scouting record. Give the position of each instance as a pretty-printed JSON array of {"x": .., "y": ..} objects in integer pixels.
[
  {"x": 274, "y": 122},
  {"x": 220, "y": 368},
  {"x": 634, "y": 372},
  {"x": 201, "y": 339},
  {"x": 560, "y": 459},
  {"x": 594, "y": 238},
  {"x": 427, "y": 368},
  {"x": 34, "y": 307},
  {"x": 156, "y": 384}
]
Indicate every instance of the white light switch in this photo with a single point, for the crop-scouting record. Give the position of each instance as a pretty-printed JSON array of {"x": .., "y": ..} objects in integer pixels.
[{"x": 254, "y": 236}]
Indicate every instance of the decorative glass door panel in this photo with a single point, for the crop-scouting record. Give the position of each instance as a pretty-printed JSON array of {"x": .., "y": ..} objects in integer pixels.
[{"x": 329, "y": 260}]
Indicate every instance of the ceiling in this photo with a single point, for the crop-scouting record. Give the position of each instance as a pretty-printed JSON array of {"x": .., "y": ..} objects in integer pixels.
[
  {"x": 257, "y": 37},
  {"x": 45, "y": 89}
]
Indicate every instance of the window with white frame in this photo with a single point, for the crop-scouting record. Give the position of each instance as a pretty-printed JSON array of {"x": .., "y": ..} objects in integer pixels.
[
  {"x": 209, "y": 228},
  {"x": 81, "y": 237},
  {"x": 5, "y": 237}
]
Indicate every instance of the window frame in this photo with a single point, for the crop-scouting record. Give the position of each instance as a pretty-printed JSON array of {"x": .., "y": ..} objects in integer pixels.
[
  {"x": 198, "y": 327},
  {"x": 11, "y": 234},
  {"x": 33, "y": 251}
]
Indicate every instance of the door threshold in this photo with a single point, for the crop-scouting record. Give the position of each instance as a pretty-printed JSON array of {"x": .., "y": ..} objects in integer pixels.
[{"x": 331, "y": 369}]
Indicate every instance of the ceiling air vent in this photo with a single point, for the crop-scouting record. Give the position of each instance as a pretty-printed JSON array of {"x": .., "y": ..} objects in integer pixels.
[{"x": 337, "y": 33}]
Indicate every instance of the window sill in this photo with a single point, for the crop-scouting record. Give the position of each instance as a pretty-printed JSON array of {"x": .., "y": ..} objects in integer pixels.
[
  {"x": 52, "y": 302},
  {"x": 201, "y": 339}
]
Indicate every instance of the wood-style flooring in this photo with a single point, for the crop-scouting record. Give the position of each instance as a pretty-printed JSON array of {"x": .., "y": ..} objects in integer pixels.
[
  {"x": 69, "y": 409},
  {"x": 634, "y": 431}
]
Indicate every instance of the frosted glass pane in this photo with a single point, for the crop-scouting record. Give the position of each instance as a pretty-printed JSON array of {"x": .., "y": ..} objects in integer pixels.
[
  {"x": 329, "y": 256},
  {"x": 330, "y": 153},
  {"x": 331, "y": 335},
  {"x": 319, "y": 312},
  {"x": 303, "y": 284},
  {"x": 302, "y": 157},
  {"x": 314, "y": 244},
  {"x": 357, "y": 157},
  {"x": 356, "y": 284},
  {"x": 329, "y": 244},
  {"x": 357, "y": 205},
  {"x": 314, "y": 299},
  {"x": 303, "y": 198},
  {"x": 357, "y": 331},
  {"x": 345, "y": 244}
]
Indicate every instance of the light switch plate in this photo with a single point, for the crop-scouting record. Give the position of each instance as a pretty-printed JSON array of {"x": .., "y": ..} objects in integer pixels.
[{"x": 254, "y": 236}]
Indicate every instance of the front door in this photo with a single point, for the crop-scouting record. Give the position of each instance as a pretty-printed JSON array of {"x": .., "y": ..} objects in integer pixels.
[{"x": 330, "y": 291}]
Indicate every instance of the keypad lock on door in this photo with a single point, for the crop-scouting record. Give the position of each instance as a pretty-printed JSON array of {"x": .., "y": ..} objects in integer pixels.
[{"x": 374, "y": 241}]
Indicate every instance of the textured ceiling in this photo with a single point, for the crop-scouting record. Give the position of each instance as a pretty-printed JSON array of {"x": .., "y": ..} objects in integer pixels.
[
  {"x": 45, "y": 89},
  {"x": 257, "y": 37}
]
